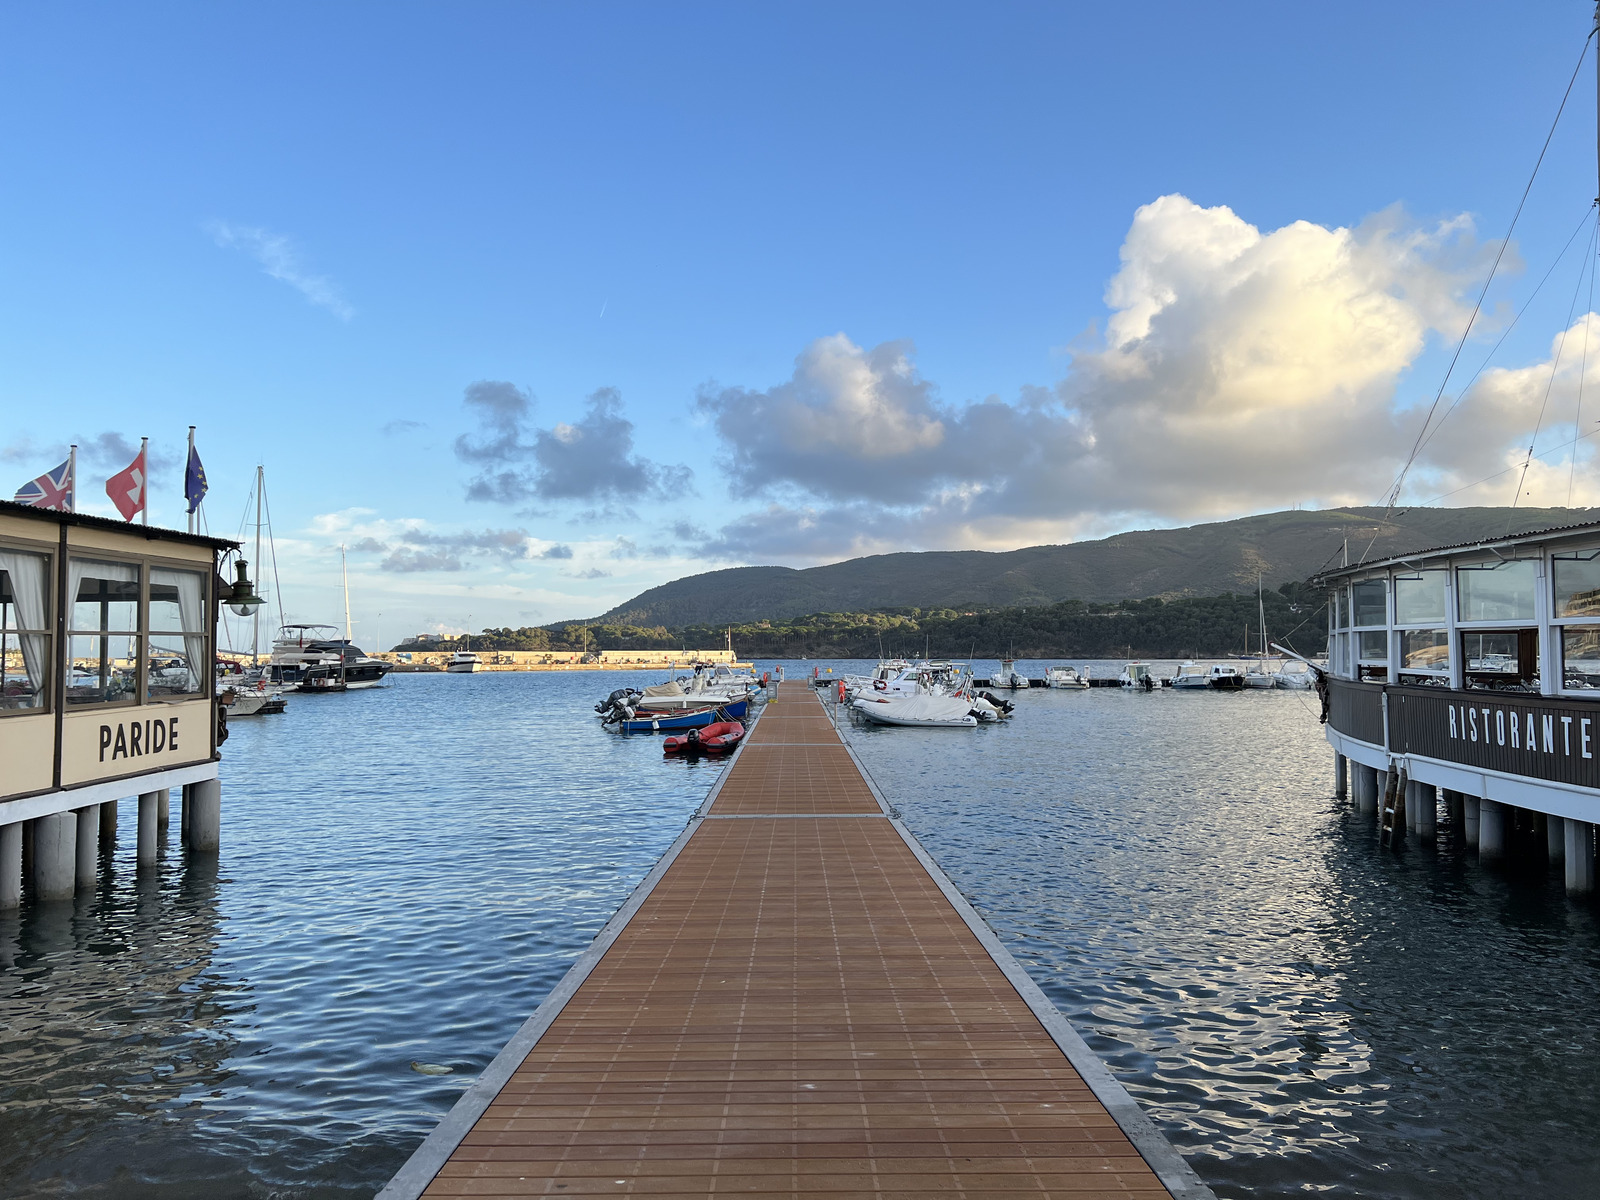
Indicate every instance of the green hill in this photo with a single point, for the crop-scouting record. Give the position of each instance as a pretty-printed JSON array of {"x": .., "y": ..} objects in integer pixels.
[{"x": 1199, "y": 560}]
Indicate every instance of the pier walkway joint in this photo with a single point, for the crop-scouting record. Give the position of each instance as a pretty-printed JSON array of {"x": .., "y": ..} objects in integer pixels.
[{"x": 797, "y": 1002}]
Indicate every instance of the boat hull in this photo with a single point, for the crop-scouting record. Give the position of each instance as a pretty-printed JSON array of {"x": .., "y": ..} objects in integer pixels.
[{"x": 671, "y": 722}]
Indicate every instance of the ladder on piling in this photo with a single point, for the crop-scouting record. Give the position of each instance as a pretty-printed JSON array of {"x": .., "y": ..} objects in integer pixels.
[{"x": 1392, "y": 807}]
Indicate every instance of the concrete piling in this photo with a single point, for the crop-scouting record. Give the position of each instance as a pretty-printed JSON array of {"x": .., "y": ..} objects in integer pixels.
[
  {"x": 10, "y": 865},
  {"x": 108, "y": 827},
  {"x": 1491, "y": 830},
  {"x": 163, "y": 814},
  {"x": 54, "y": 856},
  {"x": 1470, "y": 811},
  {"x": 87, "y": 851},
  {"x": 1366, "y": 788},
  {"x": 1579, "y": 851},
  {"x": 149, "y": 807},
  {"x": 1555, "y": 838},
  {"x": 205, "y": 816},
  {"x": 1341, "y": 776},
  {"x": 183, "y": 815},
  {"x": 1425, "y": 813}
]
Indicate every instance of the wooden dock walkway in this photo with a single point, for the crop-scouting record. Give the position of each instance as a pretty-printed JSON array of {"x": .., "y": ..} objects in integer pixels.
[{"x": 796, "y": 1001}]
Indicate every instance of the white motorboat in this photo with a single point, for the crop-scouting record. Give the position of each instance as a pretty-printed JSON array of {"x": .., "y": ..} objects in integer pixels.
[
  {"x": 1257, "y": 676},
  {"x": 1191, "y": 676},
  {"x": 313, "y": 658},
  {"x": 716, "y": 687},
  {"x": 924, "y": 712},
  {"x": 463, "y": 662},
  {"x": 1008, "y": 676},
  {"x": 1137, "y": 675},
  {"x": 1065, "y": 677},
  {"x": 1295, "y": 675}
]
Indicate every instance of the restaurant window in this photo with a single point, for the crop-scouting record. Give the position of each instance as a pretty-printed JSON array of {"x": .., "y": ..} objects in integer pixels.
[
  {"x": 1372, "y": 655},
  {"x": 1425, "y": 656},
  {"x": 1580, "y": 657},
  {"x": 1575, "y": 584},
  {"x": 25, "y": 621},
  {"x": 1341, "y": 608},
  {"x": 103, "y": 654},
  {"x": 1502, "y": 591},
  {"x": 1504, "y": 659},
  {"x": 1419, "y": 599},
  {"x": 177, "y": 654},
  {"x": 1370, "y": 603}
]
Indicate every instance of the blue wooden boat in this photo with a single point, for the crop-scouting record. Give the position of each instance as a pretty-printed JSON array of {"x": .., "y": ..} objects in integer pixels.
[{"x": 673, "y": 722}]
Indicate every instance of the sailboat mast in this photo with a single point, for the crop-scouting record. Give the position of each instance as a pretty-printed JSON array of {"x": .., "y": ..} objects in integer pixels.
[
  {"x": 344, "y": 575},
  {"x": 255, "y": 632},
  {"x": 1261, "y": 614}
]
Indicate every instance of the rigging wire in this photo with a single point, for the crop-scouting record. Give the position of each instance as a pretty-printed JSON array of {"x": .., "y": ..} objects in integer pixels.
[
  {"x": 272, "y": 542},
  {"x": 1550, "y": 383},
  {"x": 1394, "y": 494},
  {"x": 1506, "y": 471},
  {"x": 1495, "y": 349},
  {"x": 1583, "y": 369}
]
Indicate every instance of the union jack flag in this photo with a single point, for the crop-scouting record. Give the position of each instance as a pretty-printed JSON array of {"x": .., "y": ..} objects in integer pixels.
[{"x": 53, "y": 489}]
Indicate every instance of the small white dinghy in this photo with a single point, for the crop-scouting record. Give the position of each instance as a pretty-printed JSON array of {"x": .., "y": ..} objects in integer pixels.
[{"x": 929, "y": 712}]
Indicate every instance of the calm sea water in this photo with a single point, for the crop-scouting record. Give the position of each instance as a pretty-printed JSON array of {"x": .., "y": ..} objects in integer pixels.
[{"x": 406, "y": 872}]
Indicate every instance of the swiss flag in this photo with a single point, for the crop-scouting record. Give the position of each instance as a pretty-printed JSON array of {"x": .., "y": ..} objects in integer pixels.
[{"x": 126, "y": 488}]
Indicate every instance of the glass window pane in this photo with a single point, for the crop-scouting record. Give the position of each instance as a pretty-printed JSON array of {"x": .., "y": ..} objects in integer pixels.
[
  {"x": 1374, "y": 646},
  {"x": 24, "y": 605},
  {"x": 1577, "y": 584},
  {"x": 102, "y": 668},
  {"x": 1491, "y": 651},
  {"x": 1341, "y": 608},
  {"x": 1419, "y": 600},
  {"x": 1425, "y": 650},
  {"x": 177, "y": 601},
  {"x": 1502, "y": 592},
  {"x": 1368, "y": 599},
  {"x": 105, "y": 595},
  {"x": 1580, "y": 656},
  {"x": 176, "y": 663}
]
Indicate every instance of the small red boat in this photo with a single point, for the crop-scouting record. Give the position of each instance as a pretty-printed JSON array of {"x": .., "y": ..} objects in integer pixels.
[{"x": 713, "y": 739}]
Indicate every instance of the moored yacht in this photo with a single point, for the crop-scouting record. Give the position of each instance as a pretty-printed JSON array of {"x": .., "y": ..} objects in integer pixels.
[
  {"x": 313, "y": 658},
  {"x": 463, "y": 662}
]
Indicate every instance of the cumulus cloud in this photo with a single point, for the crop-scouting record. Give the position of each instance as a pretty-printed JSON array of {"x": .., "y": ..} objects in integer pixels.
[
  {"x": 557, "y": 551},
  {"x": 591, "y": 459},
  {"x": 279, "y": 258},
  {"x": 1224, "y": 346}
]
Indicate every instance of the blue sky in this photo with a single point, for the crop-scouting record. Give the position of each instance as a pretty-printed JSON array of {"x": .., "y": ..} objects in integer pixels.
[{"x": 857, "y": 277}]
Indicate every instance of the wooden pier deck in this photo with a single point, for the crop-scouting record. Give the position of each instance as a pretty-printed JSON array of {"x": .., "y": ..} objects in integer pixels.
[{"x": 796, "y": 1001}]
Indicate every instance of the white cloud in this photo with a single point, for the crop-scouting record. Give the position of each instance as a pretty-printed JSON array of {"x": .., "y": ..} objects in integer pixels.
[
  {"x": 279, "y": 259},
  {"x": 1239, "y": 370}
]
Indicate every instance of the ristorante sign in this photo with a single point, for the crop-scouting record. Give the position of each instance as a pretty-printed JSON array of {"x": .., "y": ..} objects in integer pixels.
[{"x": 1556, "y": 740}]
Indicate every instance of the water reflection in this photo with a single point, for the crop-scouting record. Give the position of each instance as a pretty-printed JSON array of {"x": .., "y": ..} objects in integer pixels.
[{"x": 1301, "y": 1008}]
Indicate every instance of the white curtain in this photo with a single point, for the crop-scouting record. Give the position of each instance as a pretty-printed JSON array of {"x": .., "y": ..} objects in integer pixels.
[
  {"x": 29, "y": 591},
  {"x": 78, "y": 570},
  {"x": 191, "y": 590}
]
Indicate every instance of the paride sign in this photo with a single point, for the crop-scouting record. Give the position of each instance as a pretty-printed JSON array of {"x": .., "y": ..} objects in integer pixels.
[
  {"x": 1556, "y": 740},
  {"x": 134, "y": 739}
]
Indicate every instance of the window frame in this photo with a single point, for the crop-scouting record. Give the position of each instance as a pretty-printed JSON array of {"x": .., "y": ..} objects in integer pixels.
[
  {"x": 146, "y": 564},
  {"x": 1558, "y": 624},
  {"x": 47, "y": 551}
]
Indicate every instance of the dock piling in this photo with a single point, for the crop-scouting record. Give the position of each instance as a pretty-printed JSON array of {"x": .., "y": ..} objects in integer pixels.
[
  {"x": 1579, "y": 856},
  {"x": 10, "y": 865},
  {"x": 146, "y": 851},
  {"x": 163, "y": 814},
  {"x": 1341, "y": 776},
  {"x": 205, "y": 816},
  {"x": 88, "y": 846},
  {"x": 1366, "y": 788},
  {"x": 1426, "y": 810},
  {"x": 1491, "y": 830},
  {"x": 1470, "y": 813},
  {"x": 54, "y": 859},
  {"x": 108, "y": 827},
  {"x": 1555, "y": 838}
]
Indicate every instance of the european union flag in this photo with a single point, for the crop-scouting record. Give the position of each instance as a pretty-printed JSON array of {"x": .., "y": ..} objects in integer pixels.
[{"x": 194, "y": 481}]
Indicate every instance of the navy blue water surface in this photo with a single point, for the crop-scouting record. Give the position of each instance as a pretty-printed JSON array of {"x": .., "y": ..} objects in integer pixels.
[{"x": 407, "y": 871}]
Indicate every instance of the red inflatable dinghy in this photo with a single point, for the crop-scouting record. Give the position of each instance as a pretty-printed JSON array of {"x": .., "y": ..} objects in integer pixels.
[{"x": 713, "y": 739}]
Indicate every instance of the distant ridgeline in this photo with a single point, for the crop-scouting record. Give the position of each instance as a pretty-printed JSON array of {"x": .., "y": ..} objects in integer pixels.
[
  {"x": 1199, "y": 627},
  {"x": 1201, "y": 560}
]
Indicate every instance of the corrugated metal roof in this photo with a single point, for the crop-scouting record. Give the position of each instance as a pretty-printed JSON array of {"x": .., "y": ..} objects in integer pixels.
[
  {"x": 1515, "y": 539},
  {"x": 152, "y": 533}
]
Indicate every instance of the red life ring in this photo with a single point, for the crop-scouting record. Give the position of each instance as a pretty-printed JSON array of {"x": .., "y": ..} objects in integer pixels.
[{"x": 879, "y": 685}]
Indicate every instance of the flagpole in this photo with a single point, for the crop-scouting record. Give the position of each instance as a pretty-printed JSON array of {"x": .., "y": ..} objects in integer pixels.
[
  {"x": 72, "y": 478},
  {"x": 144, "y": 484},
  {"x": 186, "y": 463}
]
